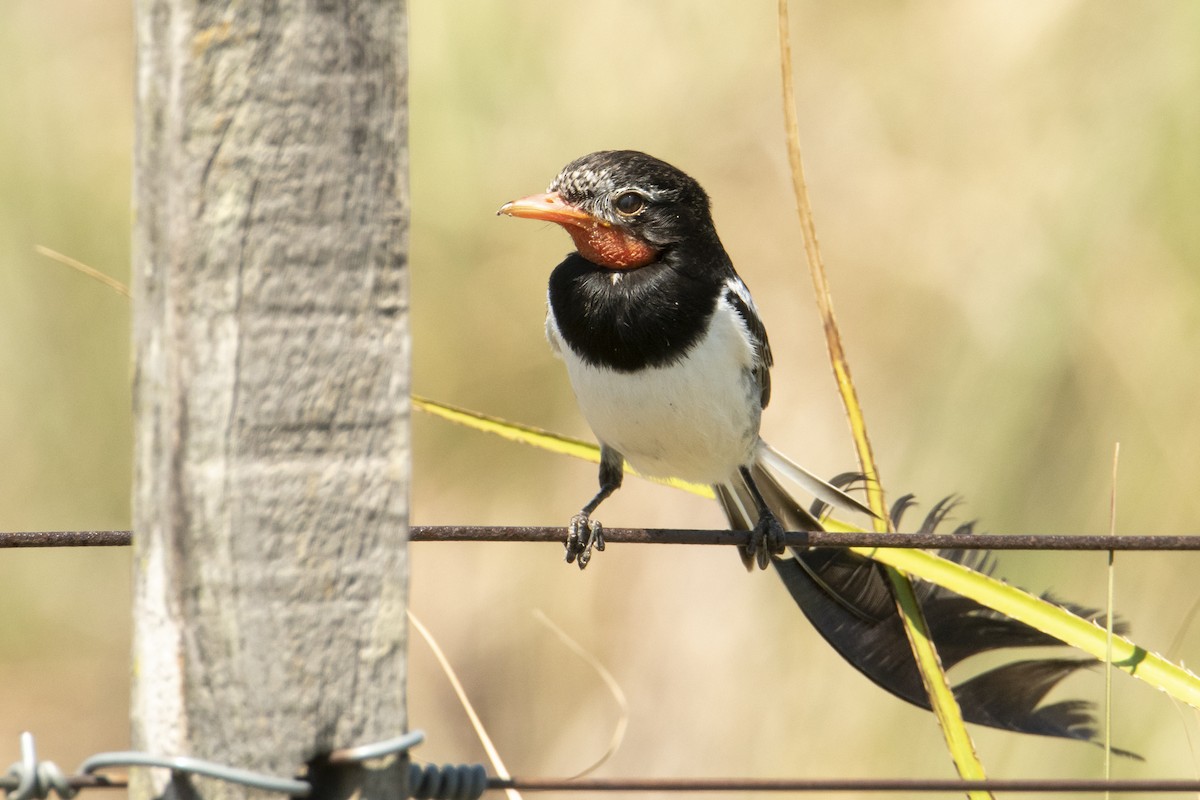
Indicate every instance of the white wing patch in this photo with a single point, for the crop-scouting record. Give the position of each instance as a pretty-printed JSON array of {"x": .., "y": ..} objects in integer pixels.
[
  {"x": 739, "y": 288},
  {"x": 552, "y": 335},
  {"x": 737, "y": 299}
]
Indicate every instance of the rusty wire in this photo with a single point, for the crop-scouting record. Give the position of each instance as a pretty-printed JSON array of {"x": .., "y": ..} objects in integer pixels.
[
  {"x": 10, "y": 539},
  {"x": 769, "y": 785},
  {"x": 508, "y": 533},
  {"x": 946, "y": 541},
  {"x": 886, "y": 785}
]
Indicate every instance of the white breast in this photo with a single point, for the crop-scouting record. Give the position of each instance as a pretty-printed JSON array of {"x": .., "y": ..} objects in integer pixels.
[{"x": 696, "y": 420}]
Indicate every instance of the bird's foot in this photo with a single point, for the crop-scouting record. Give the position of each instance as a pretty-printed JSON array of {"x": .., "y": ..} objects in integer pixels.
[
  {"x": 583, "y": 535},
  {"x": 766, "y": 540}
]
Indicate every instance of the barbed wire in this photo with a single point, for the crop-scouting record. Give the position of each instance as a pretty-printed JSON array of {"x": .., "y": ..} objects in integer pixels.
[{"x": 695, "y": 536}]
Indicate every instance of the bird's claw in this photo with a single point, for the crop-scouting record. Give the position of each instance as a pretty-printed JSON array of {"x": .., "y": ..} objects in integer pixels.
[
  {"x": 583, "y": 536},
  {"x": 766, "y": 540}
]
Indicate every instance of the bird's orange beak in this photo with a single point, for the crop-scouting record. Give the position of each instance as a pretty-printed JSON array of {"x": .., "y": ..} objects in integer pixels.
[
  {"x": 550, "y": 207},
  {"x": 597, "y": 240}
]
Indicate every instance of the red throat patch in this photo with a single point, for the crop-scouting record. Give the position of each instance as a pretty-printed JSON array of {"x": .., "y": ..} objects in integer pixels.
[{"x": 610, "y": 247}]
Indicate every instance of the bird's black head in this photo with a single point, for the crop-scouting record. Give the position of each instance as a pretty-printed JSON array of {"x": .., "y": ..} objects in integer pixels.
[
  {"x": 631, "y": 190},
  {"x": 623, "y": 208}
]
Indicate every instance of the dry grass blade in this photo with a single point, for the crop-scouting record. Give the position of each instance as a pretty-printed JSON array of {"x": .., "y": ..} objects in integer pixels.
[
  {"x": 941, "y": 696},
  {"x": 1108, "y": 621},
  {"x": 816, "y": 268},
  {"x": 614, "y": 688},
  {"x": 79, "y": 266},
  {"x": 492, "y": 753}
]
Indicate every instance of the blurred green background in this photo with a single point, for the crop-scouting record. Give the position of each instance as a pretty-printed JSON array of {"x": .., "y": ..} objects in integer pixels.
[{"x": 1007, "y": 197}]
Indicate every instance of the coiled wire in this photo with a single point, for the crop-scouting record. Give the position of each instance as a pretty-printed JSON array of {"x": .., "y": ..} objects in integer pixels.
[
  {"x": 37, "y": 779},
  {"x": 446, "y": 782}
]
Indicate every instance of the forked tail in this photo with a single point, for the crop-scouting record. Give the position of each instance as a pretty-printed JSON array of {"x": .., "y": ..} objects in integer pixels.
[{"x": 848, "y": 599}]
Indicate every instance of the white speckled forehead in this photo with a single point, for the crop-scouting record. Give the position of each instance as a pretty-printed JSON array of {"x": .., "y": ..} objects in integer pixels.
[
  {"x": 577, "y": 181},
  {"x": 592, "y": 179}
]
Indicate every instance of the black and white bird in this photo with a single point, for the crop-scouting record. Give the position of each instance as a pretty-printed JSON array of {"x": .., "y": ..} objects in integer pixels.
[
  {"x": 670, "y": 365},
  {"x": 664, "y": 347}
]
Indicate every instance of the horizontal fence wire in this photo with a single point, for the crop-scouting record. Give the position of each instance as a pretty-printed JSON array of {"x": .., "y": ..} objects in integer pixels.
[
  {"x": 10, "y": 539},
  {"x": 923, "y": 541},
  {"x": 861, "y": 786},
  {"x": 507, "y": 533},
  {"x": 775, "y": 785}
]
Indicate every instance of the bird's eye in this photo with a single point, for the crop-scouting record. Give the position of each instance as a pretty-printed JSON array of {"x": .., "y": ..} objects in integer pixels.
[{"x": 629, "y": 203}]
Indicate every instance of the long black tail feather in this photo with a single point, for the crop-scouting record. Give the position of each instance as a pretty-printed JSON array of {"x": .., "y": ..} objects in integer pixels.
[{"x": 848, "y": 599}]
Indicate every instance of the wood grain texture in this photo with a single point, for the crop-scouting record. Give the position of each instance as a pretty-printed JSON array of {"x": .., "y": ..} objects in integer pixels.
[{"x": 271, "y": 383}]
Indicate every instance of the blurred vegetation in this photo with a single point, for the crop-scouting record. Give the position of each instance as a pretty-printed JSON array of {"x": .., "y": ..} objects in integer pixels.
[{"x": 1007, "y": 196}]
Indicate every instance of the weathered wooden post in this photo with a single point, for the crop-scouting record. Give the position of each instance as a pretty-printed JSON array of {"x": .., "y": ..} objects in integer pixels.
[{"x": 270, "y": 330}]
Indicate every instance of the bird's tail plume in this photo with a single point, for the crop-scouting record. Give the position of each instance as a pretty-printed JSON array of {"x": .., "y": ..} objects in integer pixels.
[{"x": 848, "y": 599}]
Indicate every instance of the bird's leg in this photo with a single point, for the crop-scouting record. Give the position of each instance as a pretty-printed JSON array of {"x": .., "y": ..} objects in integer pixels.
[
  {"x": 767, "y": 538},
  {"x": 583, "y": 533}
]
